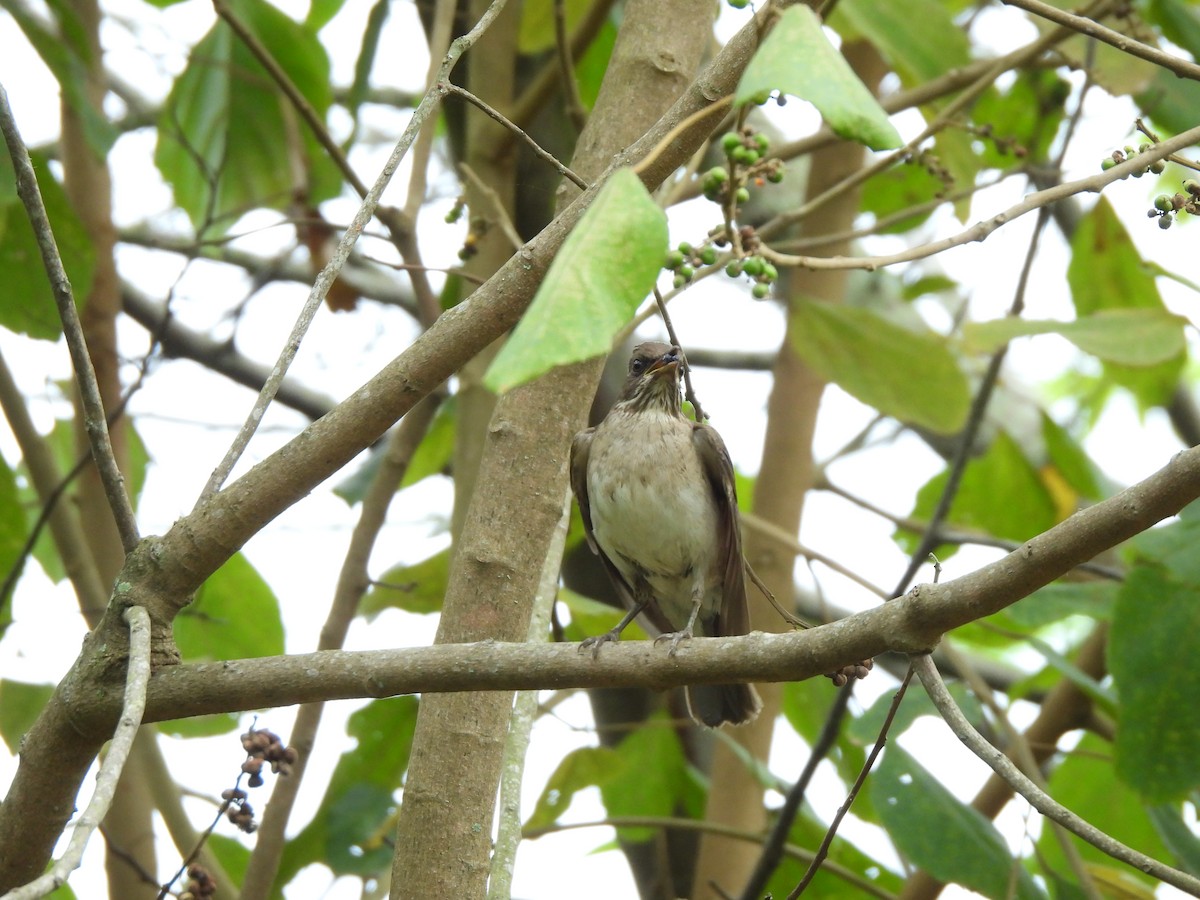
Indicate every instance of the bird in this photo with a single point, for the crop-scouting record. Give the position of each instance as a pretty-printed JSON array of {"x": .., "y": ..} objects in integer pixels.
[{"x": 659, "y": 506}]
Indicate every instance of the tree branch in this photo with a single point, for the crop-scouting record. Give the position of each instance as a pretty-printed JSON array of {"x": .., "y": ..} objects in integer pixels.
[
  {"x": 132, "y": 708},
  {"x": 95, "y": 420},
  {"x": 1040, "y": 800},
  {"x": 1123, "y": 42}
]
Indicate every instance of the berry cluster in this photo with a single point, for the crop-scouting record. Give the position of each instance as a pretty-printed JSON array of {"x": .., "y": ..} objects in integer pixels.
[
  {"x": 1167, "y": 206},
  {"x": 685, "y": 259},
  {"x": 200, "y": 886},
  {"x": 763, "y": 273},
  {"x": 748, "y": 163},
  {"x": 238, "y": 811},
  {"x": 264, "y": 746},
  {"x": 1119, "y": 156}
]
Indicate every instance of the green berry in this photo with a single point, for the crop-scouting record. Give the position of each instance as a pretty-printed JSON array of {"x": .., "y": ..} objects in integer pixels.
[
  {"x": 1165, "y": 222},
  {"x": 1158, "y": 167},
  {"x": 753, "y": 266},
  {"x": 1163, "y": 203},
  {"x": 730, "y": 141},
  {"x": 739, "y": 4},
  {"x": 763, "y": 142},
  {"x": 679, "y": 281},
  {"x": 674, "y": 260},
  {"x": 686, "y": 272},
  {"x": 734, "y": 269},
  {"x": 1108, "y": 163},
  {"x": 742, "y": 195},
  {"x": 761, "y": 97},
  {"x": 775, "y": 175},
  {"x": 708, "y": 256},
  {"x": 718, "y": 174},
  {"x": 760, "y": 291},
  {"x": 770, "y": 273},
  {"x": 741, "y": 154}
]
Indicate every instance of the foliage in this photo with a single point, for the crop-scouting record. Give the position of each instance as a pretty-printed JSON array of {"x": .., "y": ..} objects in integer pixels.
[{"x": 1094, "y": 348}]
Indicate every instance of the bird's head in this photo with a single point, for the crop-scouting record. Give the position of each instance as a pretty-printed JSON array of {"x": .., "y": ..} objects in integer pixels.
[{"x": 653, "y": 380}]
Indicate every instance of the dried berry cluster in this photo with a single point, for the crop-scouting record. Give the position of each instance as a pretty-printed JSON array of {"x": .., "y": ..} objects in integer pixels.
[
  {"x": 238, "y": 811},
  {"x": 200, "y": 886},
  {"x": 264, "y": 746}
]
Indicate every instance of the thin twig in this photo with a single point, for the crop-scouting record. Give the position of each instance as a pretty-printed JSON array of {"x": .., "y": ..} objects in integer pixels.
[
  {"x": 852, "y": 878},
  {"x": 689, "y": 391},
  {"x": 537, "y": 149},
  {"x": 1023, "y": 753},
  {"x": 979, "y": 405},
  {"x": 981, "y": 230},
  {"x": 823, "y": 850},
  {"x": 571, "y": 99},
  {"x": 353, "y": 579},
  {"x": 94, "y": 419},
  {"x": 137, "y": 677},
  {"x": 429, "y": 103},
  {"x": 772, "y": 852},
  {"x": 1039, "y": 799},
  {"x": 1123, "y": 42}
]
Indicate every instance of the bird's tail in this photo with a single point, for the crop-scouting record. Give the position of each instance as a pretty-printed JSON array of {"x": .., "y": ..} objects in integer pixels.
[{"x": 715, "y": 704}]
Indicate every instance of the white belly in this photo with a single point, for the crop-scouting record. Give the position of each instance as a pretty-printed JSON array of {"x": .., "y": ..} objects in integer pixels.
[{"x": 646, "y": 524}]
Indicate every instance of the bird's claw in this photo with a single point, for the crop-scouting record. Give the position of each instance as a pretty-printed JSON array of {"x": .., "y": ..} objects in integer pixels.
[
  {"x": 595, "y": 643},
  {"x": 676, "y": 638}
]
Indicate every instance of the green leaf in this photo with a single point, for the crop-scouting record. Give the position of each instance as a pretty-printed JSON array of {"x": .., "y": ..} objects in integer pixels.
[
  {"x": 1071, "y": 460},
  {"x": 919, "y": 38},
  {"x": 231, "y": 854},
  {"x": 605, "y": 268},
  {"x": 1177, "y": 834},
  {"x": 864, "y": 730},
  {"x": 1003, "y": 471},
  {"x": 590, "y": 69},
  {"x": 227, "y": 132},
  {"x": 417, "y": 588},
  {"x": 1132, "y": 337},
  {"x": 1028, "y": 112},
  {"x": 350, "y": 829},
  {"x": 1159, "y": 727},
  {"x": 536, "y": 31},
  {"x": 432, "y": 457},
  {"x": 234, "y": 615},
  {"x": 941, "y": 835},
  {"x": 27, "y": 301},
  {"x": 899, "y": 188},
  {"x": 320, "y": 12},
  {"x": 908, "y": 374},
  {"x": 66, "y": 52},
  {"x": 1058, "y": 601},
  {"x": 1084, "y": 783},
  {"x": 645, "y": 775},
  {"x": 13, "y": 534},
  {"x": 20, "y": 705},
  {"x": 368, "y": 49},
  {"x": 1169, "y": 100},
  {"x": 797, "y": 59},
  {"x": 1106, "y": 272}
]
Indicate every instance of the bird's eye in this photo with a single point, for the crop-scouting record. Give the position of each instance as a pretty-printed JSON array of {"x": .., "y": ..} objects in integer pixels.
[{"x": 637, "y": 366}]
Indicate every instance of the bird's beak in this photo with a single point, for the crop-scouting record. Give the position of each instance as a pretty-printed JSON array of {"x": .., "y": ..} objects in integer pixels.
[{"x": 667, "y": 362}]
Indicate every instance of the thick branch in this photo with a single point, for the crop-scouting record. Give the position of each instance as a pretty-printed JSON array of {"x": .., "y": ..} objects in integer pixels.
[{"x": 910, "y": 624}]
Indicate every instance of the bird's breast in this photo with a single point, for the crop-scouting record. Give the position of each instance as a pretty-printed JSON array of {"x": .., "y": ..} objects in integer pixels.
[{"x": 651, "y": 505}]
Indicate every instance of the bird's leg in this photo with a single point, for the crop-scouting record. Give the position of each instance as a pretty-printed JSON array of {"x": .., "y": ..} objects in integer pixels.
[
  {"x": 613, "y": 634},
  {"x": 677, "y": 637}
]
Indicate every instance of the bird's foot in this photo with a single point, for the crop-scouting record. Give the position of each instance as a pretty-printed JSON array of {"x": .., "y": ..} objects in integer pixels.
[
  {"x": 857, "y": 672},
  {"x": 676, "y": 638},
  {"x": 595, "y": 643}
]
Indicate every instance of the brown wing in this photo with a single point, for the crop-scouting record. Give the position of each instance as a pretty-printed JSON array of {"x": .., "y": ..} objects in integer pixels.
[
  {"x": 718, "y": 469},
  {"x": 581, "y": 446}
]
